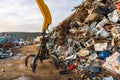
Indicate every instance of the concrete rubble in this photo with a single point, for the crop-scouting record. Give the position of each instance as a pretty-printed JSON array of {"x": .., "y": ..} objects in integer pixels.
[{"x": 86, "y": 44}]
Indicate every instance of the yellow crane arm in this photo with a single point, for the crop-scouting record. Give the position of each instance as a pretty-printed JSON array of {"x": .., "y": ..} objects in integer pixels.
[{"x": 46, "y": 14}]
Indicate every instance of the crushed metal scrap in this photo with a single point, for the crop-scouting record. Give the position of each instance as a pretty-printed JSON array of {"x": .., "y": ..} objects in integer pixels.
[{"x": 86, "y": 44}]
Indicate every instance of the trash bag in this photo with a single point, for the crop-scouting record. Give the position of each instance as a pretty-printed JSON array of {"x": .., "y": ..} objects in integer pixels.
[
  {"x": 100, "y": 46},
  {"x": 112, "y": 63},
  {"x": 102, "y": 23},
  {"x": 94, "y": 69},
  {"x": 117, "y": 5},
  {"x": 114, "y": 16},
  {"x": 103, "y": 10},
  {"x": 103, "y": 33},
  {"x": 103, "y": 55},
  {"x": 65, "y": 72}
]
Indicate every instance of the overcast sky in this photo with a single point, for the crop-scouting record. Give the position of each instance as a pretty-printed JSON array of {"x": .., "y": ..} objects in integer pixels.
[{"x": 24, "y": 15}]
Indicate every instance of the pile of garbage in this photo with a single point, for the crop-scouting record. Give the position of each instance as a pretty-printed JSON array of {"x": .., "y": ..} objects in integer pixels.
[
  {"x": 5, "y": 54},
  {"x": 87, "y": 44}
]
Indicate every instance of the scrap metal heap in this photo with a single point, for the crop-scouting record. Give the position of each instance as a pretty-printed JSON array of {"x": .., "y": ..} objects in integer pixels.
[{"x": 87, "y": 43}]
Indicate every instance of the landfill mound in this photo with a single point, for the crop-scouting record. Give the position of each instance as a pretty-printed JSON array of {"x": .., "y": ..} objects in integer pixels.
[{"x": 87, "y": 42}]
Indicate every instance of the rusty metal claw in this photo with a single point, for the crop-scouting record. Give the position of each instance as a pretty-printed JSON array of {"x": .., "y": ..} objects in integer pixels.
[{"x": 27, "y": 58}]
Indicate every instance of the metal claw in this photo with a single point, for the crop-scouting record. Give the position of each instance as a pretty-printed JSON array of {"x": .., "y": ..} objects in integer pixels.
[
  {"x": 42, "y": 54},
  {"x": 34, "y": 63},
  {"x": 56, "y": 61},
  {"x": 26, "y": 60}
]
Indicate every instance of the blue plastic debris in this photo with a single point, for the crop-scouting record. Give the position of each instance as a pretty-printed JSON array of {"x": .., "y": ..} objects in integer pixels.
[
  {"x": 94, "y": 69},
  {"x": 104, "y": 54}
]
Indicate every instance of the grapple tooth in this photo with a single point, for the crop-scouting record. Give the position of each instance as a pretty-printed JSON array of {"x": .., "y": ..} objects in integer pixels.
[
  {"x": 41, "y": 60},
  {"x": 34, "y": 63},
  {"x": 26, "y": 60},
  {"x": 56, "y": 61}
]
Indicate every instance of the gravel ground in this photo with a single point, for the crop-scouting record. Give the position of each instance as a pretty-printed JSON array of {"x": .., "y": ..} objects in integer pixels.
[{"x": 13, "y": 68}]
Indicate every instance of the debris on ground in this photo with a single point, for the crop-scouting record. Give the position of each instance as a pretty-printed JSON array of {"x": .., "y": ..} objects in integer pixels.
[
  {"x": 5, "y": 54},
  {"x": 86, "y": 44}
]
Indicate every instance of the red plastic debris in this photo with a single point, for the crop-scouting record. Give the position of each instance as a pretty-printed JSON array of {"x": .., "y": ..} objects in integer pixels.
[
  {"x": 71, "y": 67},
  {"x": 117, "y": 5}
]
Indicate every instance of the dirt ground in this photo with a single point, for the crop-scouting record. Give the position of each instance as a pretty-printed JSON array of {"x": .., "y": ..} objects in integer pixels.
[{"x": 13, "y": 68}]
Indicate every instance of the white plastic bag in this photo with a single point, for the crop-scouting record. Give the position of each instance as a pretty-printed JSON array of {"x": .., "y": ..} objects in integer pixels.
[
  {"x": 112, "y": 63},
  {"x": 114, "y": 16},
  {"x": 100, "y": 46}
]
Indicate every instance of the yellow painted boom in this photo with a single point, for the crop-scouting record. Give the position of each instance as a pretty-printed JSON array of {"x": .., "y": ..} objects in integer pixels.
[{"x": 46, "y": 14}]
